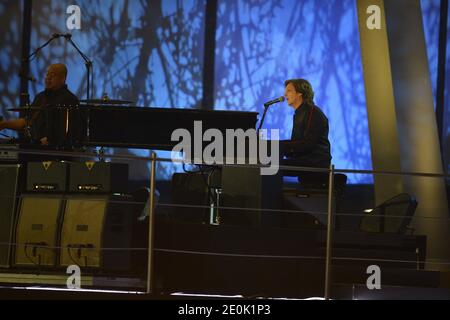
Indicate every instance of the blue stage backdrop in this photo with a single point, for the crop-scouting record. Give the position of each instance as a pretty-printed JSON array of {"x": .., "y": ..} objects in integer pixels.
[
  {"x": 430, "y": 11},
  {"x": 447, "y": 98},
  {"x": 262, "y": 43},
  {"x": 446, "y": 126},
  {"x": 431, "y": 16},
  {"x": 10, "y": 40},
  {"x": 151, "y": 52}
]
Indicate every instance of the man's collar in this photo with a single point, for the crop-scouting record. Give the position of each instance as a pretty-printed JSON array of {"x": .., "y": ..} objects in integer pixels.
[{"x": 300, "y": 107}]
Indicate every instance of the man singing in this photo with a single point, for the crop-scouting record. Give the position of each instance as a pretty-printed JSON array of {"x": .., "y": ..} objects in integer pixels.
[{"x": 309, "y": 145}]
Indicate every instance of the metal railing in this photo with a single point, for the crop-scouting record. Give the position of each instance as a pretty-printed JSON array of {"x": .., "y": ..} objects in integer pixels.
[{"x": 153, "y": 160}]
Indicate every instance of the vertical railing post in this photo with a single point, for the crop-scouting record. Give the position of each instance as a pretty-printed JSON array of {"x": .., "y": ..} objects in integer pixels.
[
  {"x": 329, "y": 234},
  {"x": 150, "y": 224}
]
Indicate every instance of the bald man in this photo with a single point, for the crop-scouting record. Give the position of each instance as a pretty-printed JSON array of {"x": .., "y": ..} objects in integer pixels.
[{"x": 47, "y": 127}]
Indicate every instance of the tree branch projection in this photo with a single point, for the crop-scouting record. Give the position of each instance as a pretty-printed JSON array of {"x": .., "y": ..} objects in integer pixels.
[
  {"x": 10, "y": 38},
  {"x": 262, "y": 43}
]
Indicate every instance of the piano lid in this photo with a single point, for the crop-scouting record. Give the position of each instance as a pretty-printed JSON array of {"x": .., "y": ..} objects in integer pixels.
[{"x": 142, "y": 127}]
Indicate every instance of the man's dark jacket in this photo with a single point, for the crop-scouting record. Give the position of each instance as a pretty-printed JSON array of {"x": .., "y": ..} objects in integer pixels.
[
  {"x": 51, "y": 122},
  {"x": 309, "y": 144}
]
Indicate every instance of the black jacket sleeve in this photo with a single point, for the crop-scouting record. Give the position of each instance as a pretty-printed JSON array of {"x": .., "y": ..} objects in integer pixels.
[{"x": 313, "y": 130}]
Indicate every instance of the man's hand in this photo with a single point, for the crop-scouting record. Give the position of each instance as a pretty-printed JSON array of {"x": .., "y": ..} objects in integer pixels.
[
  {"x": 14, "y": 124},
  {"x": 44, "y": 141}
]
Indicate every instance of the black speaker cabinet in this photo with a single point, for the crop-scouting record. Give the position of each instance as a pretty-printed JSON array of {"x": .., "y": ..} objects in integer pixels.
[
  {"x": 97, "y": 232},
  {"x": 37, "y": 230},
  {"x": 251, "y": 195},
  {"x": 190, "y": 194},
  {"x": 9, "y": 185},
  {"x": 98, "y": 177},
  {"x": 47, "y": 176}
]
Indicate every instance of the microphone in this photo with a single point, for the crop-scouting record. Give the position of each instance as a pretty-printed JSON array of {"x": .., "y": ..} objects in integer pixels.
[
  {"x": 268, "y": 103},
  {"x": 65, "y": 35},
  {"x": 27, "y": 77}
]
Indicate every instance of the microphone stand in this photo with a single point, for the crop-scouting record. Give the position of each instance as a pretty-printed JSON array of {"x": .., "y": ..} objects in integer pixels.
[
  {"x": 88, "y": 64},
  {"x": 25, "y": 96},
  {"x": 41, "y": 47},
  {"x": 266, "y": 107}
]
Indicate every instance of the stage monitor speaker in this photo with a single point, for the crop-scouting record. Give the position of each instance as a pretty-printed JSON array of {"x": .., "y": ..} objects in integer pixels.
[
  {"x": 97, "y": 232},
  {"x": 312, "y": 210},
  {"x": 9, "y": 185},
  {"x": 37, "y": 230}
]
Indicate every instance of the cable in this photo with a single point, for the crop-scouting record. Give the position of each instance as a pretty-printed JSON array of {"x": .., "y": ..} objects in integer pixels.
[
  {"x": 70, "y": 254},
  {"x": 26, "y": 254},
  {"x": 210, "y": 196},
  {"x": 80, "y": 248},
  {"x": 36, "y": 245},
  {"x": 87, "y": 247},
  {"x": 215, "y": 197},
  {"x": 186, "y": 170}
]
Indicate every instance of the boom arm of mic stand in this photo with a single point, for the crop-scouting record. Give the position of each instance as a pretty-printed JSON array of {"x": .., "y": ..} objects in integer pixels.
[
  {"x": 40, "y": 48},
  {"x": 262, "y": 120},
  {"x": 26, "y": 65},
  {"x": 88, "y": 64}
]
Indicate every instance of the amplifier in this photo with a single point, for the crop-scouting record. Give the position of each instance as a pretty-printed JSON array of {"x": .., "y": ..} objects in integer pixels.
[
  {"x": 47, "y": 176},
  {"x": 98, "y": 231},
  {"x": 98, "y": 177},
  {"x": 37, "y": 230},
  {"x": 9, "y": 152}
]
